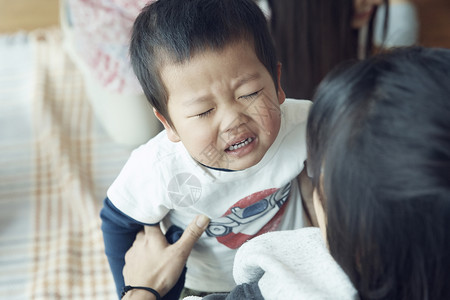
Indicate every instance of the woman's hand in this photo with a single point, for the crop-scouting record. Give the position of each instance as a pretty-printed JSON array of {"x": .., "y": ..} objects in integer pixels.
[{"x": 153, "y": 262}]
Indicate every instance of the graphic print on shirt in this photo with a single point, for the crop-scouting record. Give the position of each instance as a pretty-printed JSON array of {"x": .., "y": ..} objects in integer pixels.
[
  {"x": 251, "y": 216},
  {"x": 184, "y": 189}
]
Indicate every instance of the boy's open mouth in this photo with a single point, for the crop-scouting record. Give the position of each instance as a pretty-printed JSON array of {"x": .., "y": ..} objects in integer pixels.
[{"x": 240, "y": 144}]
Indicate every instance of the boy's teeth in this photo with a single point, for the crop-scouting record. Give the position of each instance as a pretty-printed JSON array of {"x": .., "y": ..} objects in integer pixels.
[{"x": 241, "y": 144}]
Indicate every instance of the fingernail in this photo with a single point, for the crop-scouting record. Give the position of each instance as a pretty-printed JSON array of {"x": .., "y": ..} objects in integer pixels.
[{"x": 202, "y": 221}]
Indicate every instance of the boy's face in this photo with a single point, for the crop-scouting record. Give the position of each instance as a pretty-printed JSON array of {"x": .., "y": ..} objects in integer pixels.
[{"x": 223, "y": 106}]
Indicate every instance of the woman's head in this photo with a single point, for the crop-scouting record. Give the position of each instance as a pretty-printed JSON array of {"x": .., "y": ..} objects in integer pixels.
[{"x": 379, "y": 146}]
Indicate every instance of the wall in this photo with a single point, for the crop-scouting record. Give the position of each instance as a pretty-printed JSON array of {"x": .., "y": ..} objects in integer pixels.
[{"x": 18, "y": 15}]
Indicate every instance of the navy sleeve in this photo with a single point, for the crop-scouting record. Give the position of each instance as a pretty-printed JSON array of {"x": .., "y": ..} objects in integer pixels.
[{"x": 119, "y": 233}]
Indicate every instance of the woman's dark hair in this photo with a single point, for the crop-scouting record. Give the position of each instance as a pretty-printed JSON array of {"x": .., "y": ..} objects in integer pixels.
[
  {"x": 173, "y": 31},
  {"x": 379, "y": 151},
  {"x": 312, "y": 37}
]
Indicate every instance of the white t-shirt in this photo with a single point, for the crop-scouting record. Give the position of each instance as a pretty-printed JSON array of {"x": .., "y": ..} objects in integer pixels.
[{"x": 162, "y": 182}]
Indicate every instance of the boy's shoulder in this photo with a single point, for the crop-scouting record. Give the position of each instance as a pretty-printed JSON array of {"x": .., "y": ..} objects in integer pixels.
[
  {"x": 295, "y": 110},
  {"x": 157, "y": 151},
  {"x": 150, "y": 165},
  {"x": 298, "y": 105}
]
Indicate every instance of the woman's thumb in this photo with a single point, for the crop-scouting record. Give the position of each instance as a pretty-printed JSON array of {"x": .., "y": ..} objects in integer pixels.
[{"x": 193, "y": 232}]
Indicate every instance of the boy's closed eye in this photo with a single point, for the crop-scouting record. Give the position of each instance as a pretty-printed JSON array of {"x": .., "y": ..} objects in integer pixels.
[
  {"x": 205, "y": 114},
  {"x": 245, "y": 97},
  {"x": 251, "y": 96}
]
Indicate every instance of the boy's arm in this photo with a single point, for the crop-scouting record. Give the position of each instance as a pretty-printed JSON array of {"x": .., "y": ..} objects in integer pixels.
[{"x": 119, "y": 233}]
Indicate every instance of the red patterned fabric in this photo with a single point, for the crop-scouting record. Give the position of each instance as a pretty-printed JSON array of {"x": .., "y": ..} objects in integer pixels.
[{"x": 101, "y": 32}]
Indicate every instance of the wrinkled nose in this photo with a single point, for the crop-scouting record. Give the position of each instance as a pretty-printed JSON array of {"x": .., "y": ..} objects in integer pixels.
[{"x": 235, "y": 117}]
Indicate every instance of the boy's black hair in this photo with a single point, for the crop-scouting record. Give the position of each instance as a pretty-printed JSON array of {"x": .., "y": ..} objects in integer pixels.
[
  {"x": 173, "y": 31},
  {"x": 379, "y": 134}
]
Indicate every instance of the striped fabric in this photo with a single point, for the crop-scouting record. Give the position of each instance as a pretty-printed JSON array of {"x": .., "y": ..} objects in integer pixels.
[{"x": 56, "y": 163}]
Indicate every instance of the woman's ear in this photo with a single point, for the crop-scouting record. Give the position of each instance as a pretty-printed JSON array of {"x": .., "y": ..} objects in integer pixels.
[
  {"x": 281, "y": 95},
  {"x": 320, "y": 214},
  {"x": 170, "y": 130}
]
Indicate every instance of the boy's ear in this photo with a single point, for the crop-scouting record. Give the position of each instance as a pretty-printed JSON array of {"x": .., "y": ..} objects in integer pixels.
[
  {"x": 171, "y": 132},
  {"x": 281, "y": 95}
]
